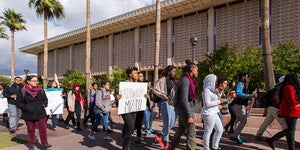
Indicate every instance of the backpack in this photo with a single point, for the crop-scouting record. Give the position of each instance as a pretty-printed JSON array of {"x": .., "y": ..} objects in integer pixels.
[
  {"x": 154, "y": 98},
  {"x": 174, "y": 96}
]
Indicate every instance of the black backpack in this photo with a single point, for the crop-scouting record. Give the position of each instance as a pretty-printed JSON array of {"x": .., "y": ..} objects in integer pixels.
[{"x": 154, "y": 98}]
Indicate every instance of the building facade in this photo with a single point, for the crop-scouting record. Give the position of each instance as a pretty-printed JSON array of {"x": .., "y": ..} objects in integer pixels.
[{"x": 129, "y": 39}]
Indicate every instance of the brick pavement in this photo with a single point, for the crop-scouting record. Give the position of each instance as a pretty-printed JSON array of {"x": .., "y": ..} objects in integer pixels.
[{"x": 64, "y": 139}]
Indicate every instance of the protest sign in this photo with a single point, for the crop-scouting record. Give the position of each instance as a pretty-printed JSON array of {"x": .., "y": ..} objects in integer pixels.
[
  {"x": 3, "y": 105},
  {"x": 55, "y": 101},
  {"x": 133, "y": 97}
]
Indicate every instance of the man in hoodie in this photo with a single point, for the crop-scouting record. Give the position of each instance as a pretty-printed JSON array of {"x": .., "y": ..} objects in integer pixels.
[{"x": 14, "y": 112}]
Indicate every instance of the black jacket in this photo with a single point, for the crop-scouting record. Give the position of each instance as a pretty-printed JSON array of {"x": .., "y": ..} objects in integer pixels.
[
  {"x": 32, "y": 108},
  {"x": 11, "y": 90}
]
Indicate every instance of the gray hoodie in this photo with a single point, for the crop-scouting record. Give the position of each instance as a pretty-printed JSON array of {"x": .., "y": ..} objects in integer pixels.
[
  {"x": 209, "y": 97},
  {"x": 103, "y": 102}
]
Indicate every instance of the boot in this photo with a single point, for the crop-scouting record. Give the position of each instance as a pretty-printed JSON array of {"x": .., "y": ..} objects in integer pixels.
[
  {"x": 276, "y": 137},
  {"x": 79, "y": 126},
  {"x": 126, "y": 144},
  {"x": 290, "y": 137}
]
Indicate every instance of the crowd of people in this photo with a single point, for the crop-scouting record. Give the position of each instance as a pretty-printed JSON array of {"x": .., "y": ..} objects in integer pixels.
[{"x": 28, "y": 102}]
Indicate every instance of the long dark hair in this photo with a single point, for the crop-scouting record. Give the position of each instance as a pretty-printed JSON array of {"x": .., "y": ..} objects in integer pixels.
[
  {"x": 291, "y": 79},
  {"x": 50, "y": 83}
]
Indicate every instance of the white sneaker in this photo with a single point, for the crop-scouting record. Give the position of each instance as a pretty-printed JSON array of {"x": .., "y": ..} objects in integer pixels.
[
  {"x": 92, "y": 137},
  {"x": 107, "y": 138}
]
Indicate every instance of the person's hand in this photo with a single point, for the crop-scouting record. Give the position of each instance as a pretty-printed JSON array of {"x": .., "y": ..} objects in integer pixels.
[
  {"x": 220, "y": 107},
  {"x": 167, "y": 98},
  {"x": 190, "y": 120},
  {"x": 222, "y": 100},
  {"x": 146, "y": 96},
  {"x": 254, "y": 95},
  {"x": 14, "y": 96},
  {"x": 118, "y": 97}
]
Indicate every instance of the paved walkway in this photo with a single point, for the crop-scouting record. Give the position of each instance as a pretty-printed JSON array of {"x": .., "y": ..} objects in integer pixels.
[{"x": 65, "y": 139}]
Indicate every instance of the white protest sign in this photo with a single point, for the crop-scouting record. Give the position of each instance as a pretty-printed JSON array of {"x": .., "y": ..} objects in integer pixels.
[
  {"x": 133, "y": 97},
  {"x": 3, "y": 105},
  {"x": 55, "y": 101}
]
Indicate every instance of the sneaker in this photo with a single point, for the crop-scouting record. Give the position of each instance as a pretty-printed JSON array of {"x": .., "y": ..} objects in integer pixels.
[
  {"x": 259, "y": 138},
  {"x": 107, "y": 138},
  {"x": 239, "y": 141},
  {"x": 109, "y": 131},
  {"x": 46, "y": 145},
  {"x": 92, "y": 137},
  {"x": 159, "y": 141},
  {"x": 54, "y": 129},
  {"x": 12, "y": 131}
]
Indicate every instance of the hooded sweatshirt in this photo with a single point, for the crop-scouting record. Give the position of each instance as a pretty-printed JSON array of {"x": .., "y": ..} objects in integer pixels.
[{"x": 209, "y": 97}]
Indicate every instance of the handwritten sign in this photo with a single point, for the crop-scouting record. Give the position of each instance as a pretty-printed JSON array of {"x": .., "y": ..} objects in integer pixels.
[
  {"x": 133, "y": 97},
  {"x": 3, "y": 105},
  {"x": 55, "y": 101}
]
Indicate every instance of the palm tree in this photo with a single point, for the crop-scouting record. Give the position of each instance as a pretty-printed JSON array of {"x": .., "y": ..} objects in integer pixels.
[
  {"x": 3, "y": 35},
  {"x": 14, "y": 21},
  {"x": 49, "y": 9},
  {"x": 266, "y": 44},
  {"x": 157, "y": 40}
]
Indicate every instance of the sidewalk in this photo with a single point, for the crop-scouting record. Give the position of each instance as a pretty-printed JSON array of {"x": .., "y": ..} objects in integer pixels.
[{"x": 64, "y": 139}]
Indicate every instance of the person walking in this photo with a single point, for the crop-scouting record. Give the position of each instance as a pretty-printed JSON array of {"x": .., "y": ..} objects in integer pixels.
[
  {"x": 162, "y": 89},
  {"x": 14, "y": 112},
  {"x": 101, "y": 110},
  {"x": 149, "y": 112},
  {"x": 240, "y": 107},
  {"x": 232, "y": 96},
  {"x": 289, "y": 106},
  {"x": 210, "y": 112},
  {"x": 185, "y": 107},
  {"x": 32, "y": 101},
  {"x": 74, "y": 105},
  {"x": 90, "y": 105},
  {"x": 52, "y": 84}
]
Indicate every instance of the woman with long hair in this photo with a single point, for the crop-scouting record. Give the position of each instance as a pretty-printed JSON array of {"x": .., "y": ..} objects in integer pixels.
[
  {"x": 32, "y": 101},
  {"x": 52, "y": 84}
]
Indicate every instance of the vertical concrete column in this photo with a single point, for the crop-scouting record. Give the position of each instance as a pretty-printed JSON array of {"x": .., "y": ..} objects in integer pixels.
[
  {"x": 169, "y": 41},
  {"x": 71, "y": 57},
  {"x": 137, "y": 47},
  {"x": 210, "y": 29},
  {"x": 110, "y": 53},
  {"x": 55, "y": 61}
]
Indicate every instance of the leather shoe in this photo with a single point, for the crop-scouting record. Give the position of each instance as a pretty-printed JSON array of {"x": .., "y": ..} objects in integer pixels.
[{"x": 47, "y": 145}]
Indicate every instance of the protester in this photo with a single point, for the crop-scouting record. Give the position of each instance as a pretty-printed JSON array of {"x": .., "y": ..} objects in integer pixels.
[
  {"x": 90, "y": 105},
  {"x": 14, "y": 112},
  {"x": 232, "y": 96},
  {"x": 139, "y": 115},
  {"x": 240, "y": 104},
  {"x": 162, "y": 89},
  {"x": 4, "y": 115},
  {"x": 32, "y": 101},
  {"x": 101, "y": 110},
  {"x": 74, "y": 105},
  {"x": 289, "y": 106},
  {"x": 52, "y": 84},
  {"x": 149, "y": 112},
  {"x": 210, "y": 111},
  {"x": 185, "y": 107},
  {"x": 65, "y": 97}
]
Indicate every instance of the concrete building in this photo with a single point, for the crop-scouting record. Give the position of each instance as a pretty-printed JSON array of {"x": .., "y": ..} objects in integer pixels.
[{"x": 129, "y": 39}]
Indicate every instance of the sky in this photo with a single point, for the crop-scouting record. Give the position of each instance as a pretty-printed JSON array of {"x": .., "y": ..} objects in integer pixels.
[{"x": 75, "y": 15}]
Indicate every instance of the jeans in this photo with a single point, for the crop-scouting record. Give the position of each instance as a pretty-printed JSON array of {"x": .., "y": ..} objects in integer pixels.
[
  {"x": 271, "y": 115},
  {"x": 99, "y": 117},
  {"x": 148, "y": 119},
  {"x": 189, "y": 130},
  {"x": 53, "y": 120},
  {"x": 14, "y": 116},
  {"x": 212, "y": 122},
  {"x": 291, "y": 123},
  {"x": 31, "y": 130},
  {"x": 169, "y": 118},
  {"x": 241, "y": 119}
]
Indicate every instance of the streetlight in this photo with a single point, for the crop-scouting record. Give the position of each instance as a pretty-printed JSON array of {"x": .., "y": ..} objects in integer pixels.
[
  {"x": 26, "y": 71},
  {"x": 193, "y": 41}
]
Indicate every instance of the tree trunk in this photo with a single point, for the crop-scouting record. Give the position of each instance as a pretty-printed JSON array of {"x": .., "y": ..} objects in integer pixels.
[
  {"x": 266, "y": 44},
  {"x": 88, "y": 49},
  {"x": 12, "y": 56},
  {"x": 157, "y": 40},
  {"x": 45, "y": 51}
]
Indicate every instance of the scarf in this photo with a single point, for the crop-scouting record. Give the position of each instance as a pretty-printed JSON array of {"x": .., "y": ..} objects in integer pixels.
[
  {"x": 33, "y": 91},
  {"x": 77, "y": 96},
  {"x": 193, "y": 86}
]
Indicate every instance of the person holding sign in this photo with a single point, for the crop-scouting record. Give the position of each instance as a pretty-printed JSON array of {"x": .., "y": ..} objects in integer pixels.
[
  {"x": 74, "y": 105},
  {"x": 32, "y": 100},
  {"x": 102, "y": 107},
  {"x": 52, "y": 84}
]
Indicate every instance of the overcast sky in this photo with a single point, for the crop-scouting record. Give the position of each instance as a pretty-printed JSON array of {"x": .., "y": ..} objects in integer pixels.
[{"x": 74, "y": 18}]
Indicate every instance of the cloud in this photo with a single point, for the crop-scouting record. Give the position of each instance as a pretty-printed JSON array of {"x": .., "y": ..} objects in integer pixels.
[{"x": 74, "y": 18}]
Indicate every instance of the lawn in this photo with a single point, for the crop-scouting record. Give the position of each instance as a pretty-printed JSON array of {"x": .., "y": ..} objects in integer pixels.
[{"x": 7, "y": 141}]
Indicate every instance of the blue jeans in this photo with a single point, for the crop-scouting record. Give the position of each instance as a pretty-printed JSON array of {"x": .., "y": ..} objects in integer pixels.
[
  {"x": 100, "y": 116},
  {"x": 14, "y": 116},
  {"x": 169, "y": 118},
  {"x": 291, "y": 123}
]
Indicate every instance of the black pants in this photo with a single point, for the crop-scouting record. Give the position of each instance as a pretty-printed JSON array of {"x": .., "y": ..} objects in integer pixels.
[
  {"x": 128, "y": 127},
  {"x": 232, "y": 118},
  {"x": 139, "y": 123},
  {"x": 90, "y": 115},
  {"x": 78, "y": 113}
]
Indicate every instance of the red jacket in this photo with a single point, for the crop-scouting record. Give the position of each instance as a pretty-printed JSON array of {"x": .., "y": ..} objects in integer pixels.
[{"x": 289, "y": 106}]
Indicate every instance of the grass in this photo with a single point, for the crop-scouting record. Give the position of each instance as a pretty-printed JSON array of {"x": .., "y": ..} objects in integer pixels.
[{"x": 7, "y": 141}]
